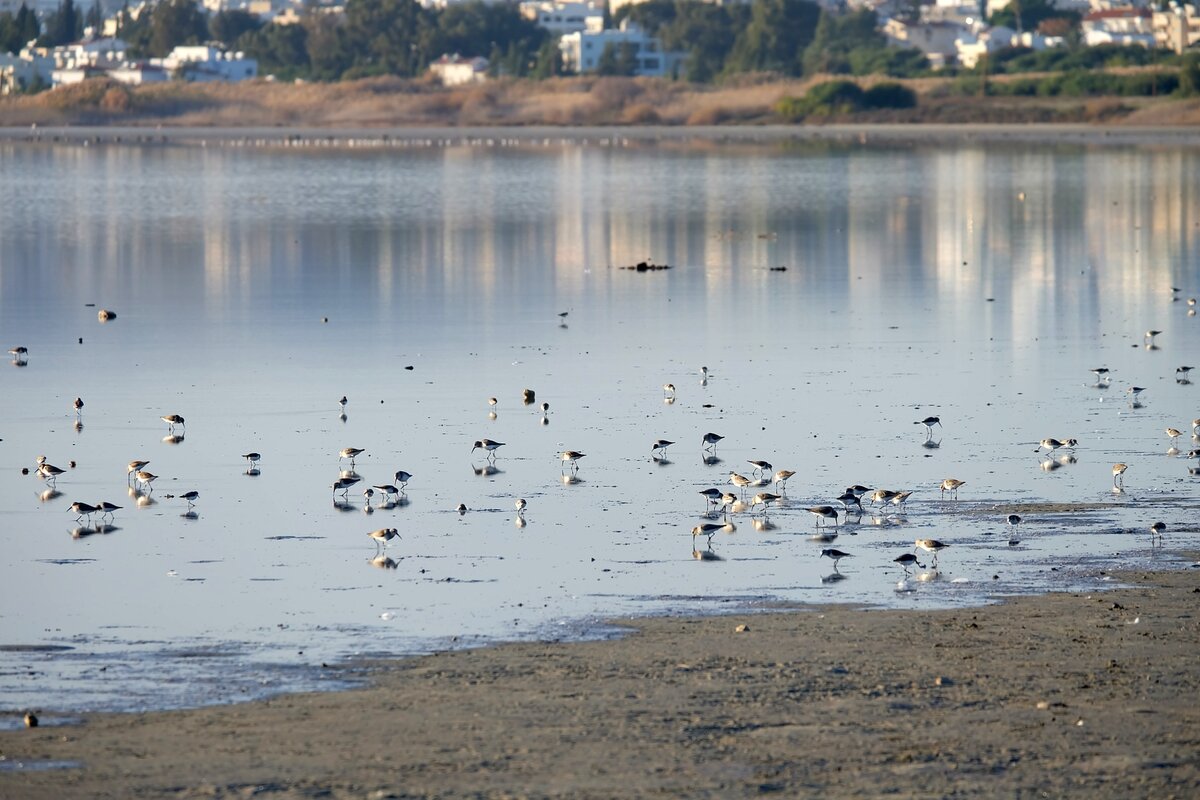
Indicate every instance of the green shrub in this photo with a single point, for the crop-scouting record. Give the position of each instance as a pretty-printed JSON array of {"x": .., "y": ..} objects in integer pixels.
[{"x": 889, "y": 95}]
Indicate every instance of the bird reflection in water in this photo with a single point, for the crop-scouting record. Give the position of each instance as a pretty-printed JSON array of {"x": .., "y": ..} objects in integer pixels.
[
  {"x": 383, "y": 561},
  {"x": 173, "y": 438},
  {"x": 570, "y": 479},
  {"x": 486, "y": 471},
  {"x": 711, "y": 459},
  {"x": 519, "y": 521},
  {"x": 49, "y": 494},
  {"x": 708, "y": 554}
]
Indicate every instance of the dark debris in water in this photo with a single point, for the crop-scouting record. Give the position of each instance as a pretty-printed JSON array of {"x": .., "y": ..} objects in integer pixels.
[{"x": 647, "y": 266}]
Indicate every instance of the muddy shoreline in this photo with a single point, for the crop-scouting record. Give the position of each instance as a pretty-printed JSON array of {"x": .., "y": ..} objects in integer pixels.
[
  {"x": 502, "y": 136},
  {"x": 1087, "y": 695}
]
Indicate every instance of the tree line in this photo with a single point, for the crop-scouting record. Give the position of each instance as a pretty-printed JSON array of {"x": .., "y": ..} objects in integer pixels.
[{"x": 401, "y": 37}]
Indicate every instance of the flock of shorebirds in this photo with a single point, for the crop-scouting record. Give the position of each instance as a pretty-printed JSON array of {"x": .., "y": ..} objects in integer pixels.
[
  {"x": 719, "y": 504},
  {"x": 139, "y": 480}
]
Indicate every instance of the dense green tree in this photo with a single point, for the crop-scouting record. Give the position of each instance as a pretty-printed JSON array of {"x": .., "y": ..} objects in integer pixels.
[
  {"x": 230, "y": 25},
  {"x": 837, "y": 36},
  {"x": 495, "y": 30},
  {"x": 63, "y": 25},
  {"x": 95, "y": 17},
  {"x": 775, "y": 38},
  {"x": 13, "y": 34},
  {"x": 617, "y": 59},
  {"x": 1189, "y": 75},
  {"x": 549, "y": 60},
  {"x": 281, "y": 50},
  {"x": 175, "y": 22}
]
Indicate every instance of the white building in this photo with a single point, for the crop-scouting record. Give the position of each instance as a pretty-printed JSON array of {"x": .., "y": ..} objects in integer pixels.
[
  {"x": 564, "y": 17},
  {"x": 138, "y": 73},
  {"x": 454, "y": 70},
  {"x": 974, "y": 46},
  {"x": 1177, "y": 28},
  {"x": 205, "y": 63},
  {"x": 582, "y": 50},
  {"x": 1118, "y": 26},
  {"x": 937, "y": 40}
]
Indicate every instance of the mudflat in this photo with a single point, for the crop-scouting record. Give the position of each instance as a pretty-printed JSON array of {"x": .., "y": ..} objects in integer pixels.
[{"x": 1064, "y": 695}]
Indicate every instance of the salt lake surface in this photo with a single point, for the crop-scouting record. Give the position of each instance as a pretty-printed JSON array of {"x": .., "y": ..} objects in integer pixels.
[{"x": 254, "y": 287}]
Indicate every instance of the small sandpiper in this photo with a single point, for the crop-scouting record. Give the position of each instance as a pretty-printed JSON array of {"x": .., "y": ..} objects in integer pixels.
[
  {"x": 836, "y": 555},
  {"x": 781, "y": 478},
  {"x": 710, "y": 441},
  {"x": 1118, "y": 472},
  {"x": 488, "y": 445},
  {"x": 383, "y": 536},
  {"x": 401, "y": 477},
  {"x": 172, "y": 420},
  {"x": 350, "y": 453},
  {"x": 760, "y": 467},
  {"x": 252, "y": 458},
  {"x": 951, "y": 485},
  {"x": 931, "y": 546},
  {"x": 823, "y": 514},
  {"x": 572, "y": 456},
  {"x": 660, "y": 446},
  {"x": 929, "y": 422}
]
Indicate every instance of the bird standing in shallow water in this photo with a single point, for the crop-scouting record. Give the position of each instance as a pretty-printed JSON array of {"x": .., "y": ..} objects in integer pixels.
[
  {"x": 572, "y": 456},
  {"x": 78, "y": 406},
  {"x": 660, "y": 446},
  {"x": 488, "y": 445},
  {"x": 383, "y": 536},
  {"x": 951, "y": 485},
  {"x": 710, "y": 441},
  {"x": 252, "y": 458},
  {"x": 82, "y": 510},
  {"x": 402, "y": 478},
  {"x": 929, "y": 422},
  {"x": 1118, "y": 472},
  {"x": 135, "y": 467},
  {"x": 931, "y": 546},
  {"x": 835, "y": 554},
  {"x": 145, "y": 479},
  {"x": 781, "y": 478},
  {"x": 1157, "y": 529},
  {"x": 520, "y": 506},
  {"x": 172, "y": 420},
  {"x": 823, "y": 513}
]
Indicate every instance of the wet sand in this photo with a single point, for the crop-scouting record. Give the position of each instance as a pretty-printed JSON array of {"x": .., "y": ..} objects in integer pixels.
[{"x": 1086, "y": 695}]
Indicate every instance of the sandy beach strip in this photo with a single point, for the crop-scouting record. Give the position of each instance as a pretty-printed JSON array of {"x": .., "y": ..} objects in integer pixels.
[{"x": 1065, "y": 695}]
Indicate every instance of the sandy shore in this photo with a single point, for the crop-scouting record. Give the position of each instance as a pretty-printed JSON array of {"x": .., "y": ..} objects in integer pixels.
[{"x": 1061, "y": 695}]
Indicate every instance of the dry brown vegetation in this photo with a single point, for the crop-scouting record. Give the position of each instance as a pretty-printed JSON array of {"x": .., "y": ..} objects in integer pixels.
[{"x": 381, "y": 102}]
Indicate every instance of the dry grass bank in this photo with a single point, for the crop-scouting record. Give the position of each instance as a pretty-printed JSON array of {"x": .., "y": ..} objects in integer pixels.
[{"x": 392, "y": 102}]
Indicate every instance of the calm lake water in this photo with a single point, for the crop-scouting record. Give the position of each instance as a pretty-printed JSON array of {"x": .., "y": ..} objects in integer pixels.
[{"x": 254, "y": 287}]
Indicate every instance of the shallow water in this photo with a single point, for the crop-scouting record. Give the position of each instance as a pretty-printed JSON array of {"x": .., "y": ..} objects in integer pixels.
[{"x": 976, "y": 283}]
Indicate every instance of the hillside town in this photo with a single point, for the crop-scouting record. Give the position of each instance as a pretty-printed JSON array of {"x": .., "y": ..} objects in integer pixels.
[{"x": 581, "y": 37}]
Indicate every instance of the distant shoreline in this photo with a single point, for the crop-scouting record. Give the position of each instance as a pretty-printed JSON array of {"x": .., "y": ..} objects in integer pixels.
[{"x": 907, "y": 133}]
